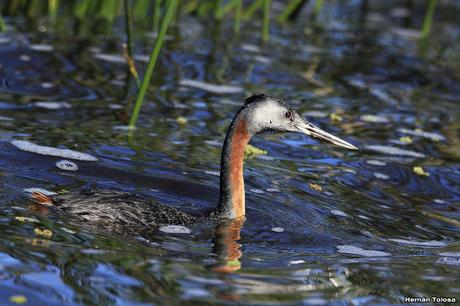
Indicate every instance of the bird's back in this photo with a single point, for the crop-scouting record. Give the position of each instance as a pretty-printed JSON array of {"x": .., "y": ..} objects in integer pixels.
[{"x": 119, "y": 212}]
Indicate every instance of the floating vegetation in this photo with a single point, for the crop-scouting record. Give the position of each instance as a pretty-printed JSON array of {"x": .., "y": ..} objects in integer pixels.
[
  {"x": 175, "y": 229},
  {"x": 18, "y": 299},
  {"x": 315, "y": 187},
  {"x": 353, "y": 250},
  {"x": 181, "y": 120},
  {"x": 394, "y": 151},
  {"x": 25, "y": 219},
  {"x": 419, "y": 171},
  {"x": 31, "y": 147},
  {"x": 335, "y": 117},
  {"x": 406, "y": 140},
  {"x": 43, "y": 232},
  {"x": 67, "y": 165},
  {"x": 213, "y": 88},
  {"x": 251, "y": 151}
]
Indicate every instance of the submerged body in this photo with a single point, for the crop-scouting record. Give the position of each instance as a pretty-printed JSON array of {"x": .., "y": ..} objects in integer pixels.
[{"x": 125, "y": 213}]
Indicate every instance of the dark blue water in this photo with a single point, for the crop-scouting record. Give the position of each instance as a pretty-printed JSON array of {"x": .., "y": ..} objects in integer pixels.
[{"x": 324, "y": 225}]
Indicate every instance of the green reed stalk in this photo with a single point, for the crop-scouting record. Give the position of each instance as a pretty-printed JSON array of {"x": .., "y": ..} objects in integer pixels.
[
  {"x": 318, "y": 7},
  {"x": 2, "y": 23},
  {"x": 252, "y": 9},
  {"x": 428, "y": 20},
  {"x": 81, "y": 8},
  {"x": 266, "y": 21},
  {"x": 238, "y": 13},
  {"x": 289, "y": 10},
  {"x": 217, "y": 9},
  {"x": 156, "y": 15},
  {"x": 224, "y": 9},
  {"x": 141, "y": 8},
  {"x": 53, "y": 8},
  {"x": 170, "y": 12}
]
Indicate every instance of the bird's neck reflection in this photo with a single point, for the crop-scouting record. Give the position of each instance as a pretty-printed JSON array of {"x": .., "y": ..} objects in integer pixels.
[{"x": 226, "y": 246}]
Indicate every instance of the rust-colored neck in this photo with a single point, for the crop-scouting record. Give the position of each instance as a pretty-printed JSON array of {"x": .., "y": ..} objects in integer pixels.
[{"x": 232, "y": 201}]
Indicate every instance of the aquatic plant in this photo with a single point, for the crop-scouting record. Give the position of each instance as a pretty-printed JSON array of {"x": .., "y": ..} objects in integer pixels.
[
  {"x": 170, "y": 11},
  {"x": 2, "y": 24},
  {"x": 428, "y": 20}
]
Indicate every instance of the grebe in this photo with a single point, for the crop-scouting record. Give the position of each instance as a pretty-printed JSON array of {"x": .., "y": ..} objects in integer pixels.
[{"x": 125, "y": 213}]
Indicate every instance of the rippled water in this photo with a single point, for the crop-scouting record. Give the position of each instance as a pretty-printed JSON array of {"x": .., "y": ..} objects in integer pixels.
[{"x": 323, "y": 224}]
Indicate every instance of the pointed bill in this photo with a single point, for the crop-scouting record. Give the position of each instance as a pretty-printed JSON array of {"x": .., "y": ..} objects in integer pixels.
[{"x": 315, "y": 132}]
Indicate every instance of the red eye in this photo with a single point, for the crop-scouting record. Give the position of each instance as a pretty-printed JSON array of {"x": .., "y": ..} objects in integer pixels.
[{"x": 288, "y": 114}]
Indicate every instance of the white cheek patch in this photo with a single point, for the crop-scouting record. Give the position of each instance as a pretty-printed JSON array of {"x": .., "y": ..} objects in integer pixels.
[{"x": 263, "y": 114}]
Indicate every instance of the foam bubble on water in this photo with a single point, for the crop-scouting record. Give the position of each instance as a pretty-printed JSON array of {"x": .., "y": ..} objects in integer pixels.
[
  {"x": 115, "y": 106},
  {"x": 41, "y": 47},
  {"x": 67, "y": 165},
  {"x": 351, "y": 249},
  {"x": 316, "y": 114},
  {"x": 217, "y": 89},
  {"x": 406, "y": 33},
  {"x": 296, "y": 262},
  {"x": 25, "y": 58},
  {"x": 250, "y": 48},
  {"x": 175, "y": 229},
  {"x": 258, "y": 191},
  {"x": 420, "y": 133},
  {"x": 4, "y": 40},
  {"x": 111, "y": 58},
  {"x": 450, "y": 254},
  {"x": 215, "y": 173},
  {"x": 47, "y": 85},
  {"x": 429, "y": 244},
  {"x": 374, "y": 119},
  {"x": 374, "y": 162},
  {"x": 439, "y": 201},
  {"x": 340, "y": 213},
  {"x": 451, "y": 261},
  {"x": 278, "y": 229},
  {"x": 273, "y": 189},
  {"x": 31, "y": 147},
  {"x": 262, "y": 59},
  {"x": 52, "y": 105},
  {"x": 39, "y": 190},
  {"x": 394, "y": 151},
  {"x": 142, "y": 58},
  {"x": 213, "y": 143},
  {"x": 383, "y": 96},
  {"x": 3, "y": 118},
  {"x": 381, "y": 176}
]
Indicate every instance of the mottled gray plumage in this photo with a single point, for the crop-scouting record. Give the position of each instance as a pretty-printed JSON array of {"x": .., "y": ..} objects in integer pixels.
[{"x": 119, "y": 212}]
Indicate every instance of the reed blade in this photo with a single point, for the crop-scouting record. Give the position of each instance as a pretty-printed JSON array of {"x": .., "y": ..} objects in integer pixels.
[{"x": 170, "y": 11}]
